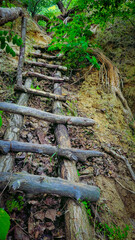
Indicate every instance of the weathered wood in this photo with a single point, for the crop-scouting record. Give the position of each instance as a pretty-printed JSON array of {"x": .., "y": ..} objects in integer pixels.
[
  {"x": 22, "y": 52},
  {"x": 41, "y": 48},
  {"x": 42, "y": 184},
  {"x": 49, "y": 117},
  {"x": 117, "y": 156},
  {"x": 76, "y": 220},
  {"x": 42, "y": 76},
  {"x": 70, "y": 153},
  {"x": 45, "y": 56},
  {"x": 12, "y": 132},
  {"x": 9, "y": 14},
  {"x": 46, "y": 65},
  {"x": 41, "y": 93}
]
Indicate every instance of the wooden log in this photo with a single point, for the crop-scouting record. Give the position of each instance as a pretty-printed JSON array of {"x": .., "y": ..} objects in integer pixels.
[
  {"x": 9, "y": 14},
  {"x": 12, "y": 132},
  {"x": 42, "y": 76},
  {"x": 40, "y": 93},
  {"x": 42, "y": 184},
  {"x": 46, "y": 65},
  {"x": 70, "y": 153},
  {"x": 49, "y": 117},
  {"x": 76, "y": 219},
  {"x": 22, "y": 52},
  {"x": 45, "y": 56}
]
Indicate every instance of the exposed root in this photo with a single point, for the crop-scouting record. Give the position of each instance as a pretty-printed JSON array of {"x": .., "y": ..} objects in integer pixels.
[{"x": 109, "y": 77}]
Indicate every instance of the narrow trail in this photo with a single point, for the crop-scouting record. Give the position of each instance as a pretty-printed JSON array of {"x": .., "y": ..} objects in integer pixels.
[{"x": 77, "y": 225}]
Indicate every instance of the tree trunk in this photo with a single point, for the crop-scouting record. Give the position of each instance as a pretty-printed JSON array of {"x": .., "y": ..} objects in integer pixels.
[
  {"x": 61, "y": 7},
  {"x": 72, "y": 154},
  {"x": 22, "y": 52},
  {"x": 76, "y": 219},
  {"x": 41, "y": 93},
  {"x": 49, "y": 117},
  {"x": 42, "y": 184},
  {"x": 12, "y": 132},
  {"x": 9, "y": 14}
]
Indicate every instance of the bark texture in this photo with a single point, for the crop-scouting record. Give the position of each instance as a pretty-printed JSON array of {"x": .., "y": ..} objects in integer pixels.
[
  {"x": 38, "y": 17},
  {"x": 46, "y": 65},
  {"x": 41, "y": 76},
  {"x": 22, "y": 52},
  {"x": 9, "y": 14},
  {"x": 76, "y": 219},
  {"x": 42, "y": 184},
  {"x": 49, "y": 117},
  {"x": 41, "y": 93},
  {"x": 12, "y": 132},
  {"x": 70, "y": 153}
]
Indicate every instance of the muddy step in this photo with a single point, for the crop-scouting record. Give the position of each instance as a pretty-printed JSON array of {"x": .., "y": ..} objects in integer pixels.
[
  {"x": 45, "y": 77},
  {"x": 46, "y": 65}
]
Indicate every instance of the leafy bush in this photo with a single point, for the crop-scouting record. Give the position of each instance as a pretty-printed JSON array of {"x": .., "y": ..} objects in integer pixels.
[
  {"x": 15, "y": 204},
  {"x": 73, "y": 39},
  {"x": 4, "y": 224},
  {"x": 9, "y": 36}
]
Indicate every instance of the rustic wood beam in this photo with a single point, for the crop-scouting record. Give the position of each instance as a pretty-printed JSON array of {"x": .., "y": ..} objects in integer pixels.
[
  {"x": 46, "y": 65},
  {"x": 49, "y": 117},
  {"x": 13, "y": 131},
  {"x": 42, "y": 76},
  {"x": 42, "y": 184},
  {"x": 69, "y": 153},
  {"x": 9, "y": 14},
  {"x": 22, "y": 51},
  {"x": 76, "y": 219},
  {"x": 41, "y": 93},
  {"x": 45, "y": 56}
]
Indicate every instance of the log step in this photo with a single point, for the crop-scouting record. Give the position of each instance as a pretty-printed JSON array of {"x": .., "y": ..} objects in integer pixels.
[
  {"x": 42, "y": 76},
  {"x": 46, "y": 65},
  {"x": 40, "y": 93},
  {"x": 72, "y": 154},
  {"x": 49, "y": 117},
  {"x": 42, "y": 184},
  {"x": 45, "y": 56}
]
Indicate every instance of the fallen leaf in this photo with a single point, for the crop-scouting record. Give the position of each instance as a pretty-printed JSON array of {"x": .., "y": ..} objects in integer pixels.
[
  {"x": 40, "y": 215},
  {"x": 51, "y": 214}
]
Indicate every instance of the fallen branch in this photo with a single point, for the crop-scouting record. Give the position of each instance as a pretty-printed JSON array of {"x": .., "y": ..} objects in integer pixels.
[
  {"x": 49, "y": 117},
  {"x": 22, "y": 52},
  {"x": 70, "y": 153},
  {"x": 117, "y": 156},
  {"x": 38, "y": 17},
  {"x": 46, "y": 65},
  {"x": 41, "y": 76},
  {"x": 42, "y": 184},
  {"x": 40, "y": 93},
  {"x": 43, "y": 56},
  {"x": 9, "y": 14}
]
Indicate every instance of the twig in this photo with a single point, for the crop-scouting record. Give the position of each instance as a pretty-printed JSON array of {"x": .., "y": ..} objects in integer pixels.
[
  {"x": 116, "y": 155},
  {"x": 124, "y": 186},
  {"x": 19, "y": 226}
]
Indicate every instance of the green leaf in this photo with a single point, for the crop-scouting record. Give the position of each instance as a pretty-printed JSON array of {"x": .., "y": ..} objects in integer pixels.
[
  {"x": 4, "y": 224},
  {"x": 7, "y": 49}
]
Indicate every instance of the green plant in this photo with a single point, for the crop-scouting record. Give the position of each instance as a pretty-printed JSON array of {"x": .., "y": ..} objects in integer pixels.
[
  {"x": 9, "y": 36},
  {"x": 4, "y": 224},
  {"x": 54, "y": 154},
  {"x": 78, "y": 173},
  {"x": 73, "y": 39},
  {"x": 1, "y": 118},
  {"x": 88, "y": 210},
  {"x": 15, "y": 204},
  {"x": 114, "y": 232},
  {"x": 71, "y": 109},
  {"x": 6, "y": 4},
  {"x": 37, "y": 87}
]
